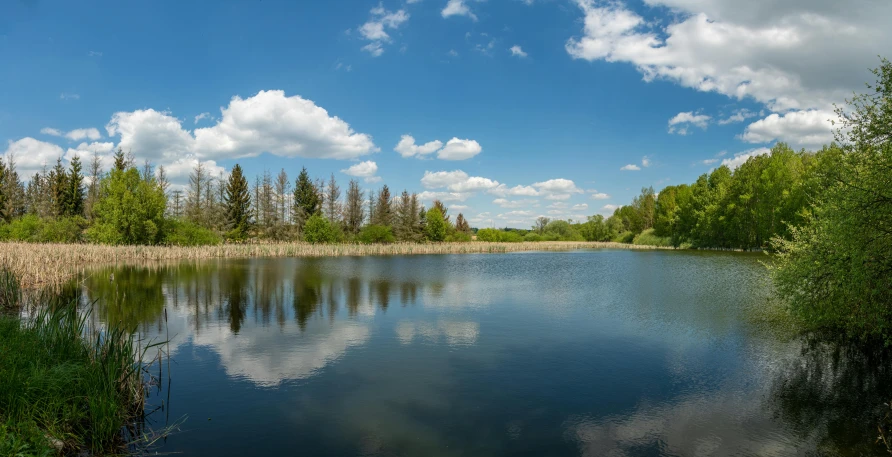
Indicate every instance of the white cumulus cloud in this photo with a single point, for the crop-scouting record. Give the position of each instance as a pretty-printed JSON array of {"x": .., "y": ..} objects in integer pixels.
[
  {"x": 457, "y": 149},
  {"x": 407, "y": 147},
  {"x": 366, "y": 170},
  {"x": 810, "y": 128},
  {"x": 375, "y": 29}
]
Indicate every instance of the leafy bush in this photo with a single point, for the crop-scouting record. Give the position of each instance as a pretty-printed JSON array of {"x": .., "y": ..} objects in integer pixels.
[
  {"x": 25, "y": 228},
  {"x": 461, "y": 237},
  {"x": 624, "y": 237},
  {"x": 183, "y": 233},
  {"x": 495, "y": 235},
  {"x": 376, "y": 234},
  {"x": 30, "y": 228},
  {"x": 319, "y": 230},
  {"x": 649, "y": 238},
  {"x": 532, "y": 236},
  {"x": 488, "y": 234}
]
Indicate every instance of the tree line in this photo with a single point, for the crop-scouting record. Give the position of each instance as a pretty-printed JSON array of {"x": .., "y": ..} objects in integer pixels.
[{"x": 135, "y": 205}]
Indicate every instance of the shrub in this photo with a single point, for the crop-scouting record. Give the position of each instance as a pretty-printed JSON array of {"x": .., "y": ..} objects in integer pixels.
[
  {"x": 495, "y": 235},
  {"x": 30, "y": 228},
  {"x": 183, "y": 233},
  {"x": 488, "y": 234},
  {"x": 649, "y": 238},
  {"x": 24, "y": 228},
  {"x": 624, "y": 237},
  {"x": 460, "y": 237},
  {"x": 376, "y": 234},
  {"x": 532, "y": 236},
  {"x": 319, "y": 230}
]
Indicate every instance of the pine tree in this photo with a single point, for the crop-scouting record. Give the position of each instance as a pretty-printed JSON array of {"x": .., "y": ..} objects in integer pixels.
[
  {"x": 58, "y": 189},
  {"x": 73, "y": 197},
  {"x": 120, "y": 160},
  {"x": 13, "y": 190},
  {"x": 383, "y": 209},
  {"x": 306, "y": 199},
  {"x": 354, "y": 212},
  {"x": 238, "y": 203}
]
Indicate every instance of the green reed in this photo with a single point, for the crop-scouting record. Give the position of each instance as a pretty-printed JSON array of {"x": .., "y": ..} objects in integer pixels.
[{"x": 66, "y": 387}]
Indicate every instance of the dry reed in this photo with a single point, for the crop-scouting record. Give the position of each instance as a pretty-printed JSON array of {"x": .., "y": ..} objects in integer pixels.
[{"x": 48, "y": 264}]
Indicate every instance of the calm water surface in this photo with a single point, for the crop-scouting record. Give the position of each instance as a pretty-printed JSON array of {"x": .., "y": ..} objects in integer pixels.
[{"x": 616, "y": 353}]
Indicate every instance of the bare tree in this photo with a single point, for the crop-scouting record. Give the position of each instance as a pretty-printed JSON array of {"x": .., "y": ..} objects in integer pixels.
[
  {"x": 195, "y": 197},
  {"x": 283, "y": 190},
  {"x": 333, "y": 200},
  {"x": 354, "y": 212}
]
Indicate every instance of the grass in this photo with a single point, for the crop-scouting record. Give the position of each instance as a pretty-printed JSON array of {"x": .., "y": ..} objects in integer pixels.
[
  {"x": 67, "y": 388},
  {"x": 51, "y": 264}
]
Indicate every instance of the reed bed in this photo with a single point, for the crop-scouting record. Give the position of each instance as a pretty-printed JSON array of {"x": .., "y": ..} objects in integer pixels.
[{"x": 49, "y": 264}]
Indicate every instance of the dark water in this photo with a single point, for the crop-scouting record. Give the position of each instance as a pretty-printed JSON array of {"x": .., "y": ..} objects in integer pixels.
[{"x": 614, "y": 353}]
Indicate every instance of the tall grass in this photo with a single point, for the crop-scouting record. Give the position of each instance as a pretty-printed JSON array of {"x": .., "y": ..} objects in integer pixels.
[
  {"x": 44, "y": 264},
  {"x": 65, "y": 387}
]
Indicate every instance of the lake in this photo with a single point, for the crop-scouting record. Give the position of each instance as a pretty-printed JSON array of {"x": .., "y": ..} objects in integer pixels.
[{"x": 588, "y": 353}]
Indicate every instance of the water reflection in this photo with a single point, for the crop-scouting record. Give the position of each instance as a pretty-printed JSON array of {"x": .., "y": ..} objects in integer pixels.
[{"x": 608, "y": 353}]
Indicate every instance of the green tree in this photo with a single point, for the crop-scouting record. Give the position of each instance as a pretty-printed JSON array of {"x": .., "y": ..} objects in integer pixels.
[
  {"x": 306, "y": 199},
  {"x": 130, "y": 210},
  {"x": 74, "y": 195},
  {"x": 319, "y": 229},
  {"x": 383, "y": 214},
  {"x": 238, "y": 204},
  {"x": 436, "y": 226},
  {"x": 835, "y": 270}
]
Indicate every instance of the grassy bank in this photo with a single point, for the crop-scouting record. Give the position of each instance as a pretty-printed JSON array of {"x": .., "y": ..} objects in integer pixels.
[
  {"x": 46, "y": 264},
  {"x": 64, "y": 388}
]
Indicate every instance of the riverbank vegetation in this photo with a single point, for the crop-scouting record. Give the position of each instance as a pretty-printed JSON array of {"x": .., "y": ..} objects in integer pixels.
[
  {"x": 66, "y": 388},
  {"x": 53, "y": 264}
]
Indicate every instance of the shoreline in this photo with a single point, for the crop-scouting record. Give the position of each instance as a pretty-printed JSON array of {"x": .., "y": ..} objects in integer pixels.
[{"x": 52, "y": 264}]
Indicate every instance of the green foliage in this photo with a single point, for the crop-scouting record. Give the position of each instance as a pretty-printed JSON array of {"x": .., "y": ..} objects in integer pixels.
[
  {"x": 56, "y": 384},
  {"x": 496, "y": 235},
  {"x": 371, "y": 234},
  {"x": 130, "y": 210},
  {"x": 33, "y": 229},
  {"x": 306, "y": 198},
  {"x": 532, "y": 236},
  {"x": 624, "y": 237},
  {"x": 319, "y": 230},
  {"x": 835, "y": 269},
  {"x": 238, "y": 204},
  {"x": 184, "y": 233},
  {"x": 436, "y": 226},
  {"x": 458, "y": 237},
  {"x": 649, "y": 238}
]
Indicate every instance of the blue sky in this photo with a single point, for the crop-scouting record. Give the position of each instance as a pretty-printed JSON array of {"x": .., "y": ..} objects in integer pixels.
[{"x": 516, "y": 108}]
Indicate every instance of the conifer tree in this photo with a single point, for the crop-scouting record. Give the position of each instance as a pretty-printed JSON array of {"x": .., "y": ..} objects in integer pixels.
[
  {"x": 73, "y": 201},
  {"x": 306, "y": 198},
  {"x": 238, "y": 203},
  {"x": 333, "y": 200},
  {"x": 383, "y": 209}
]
